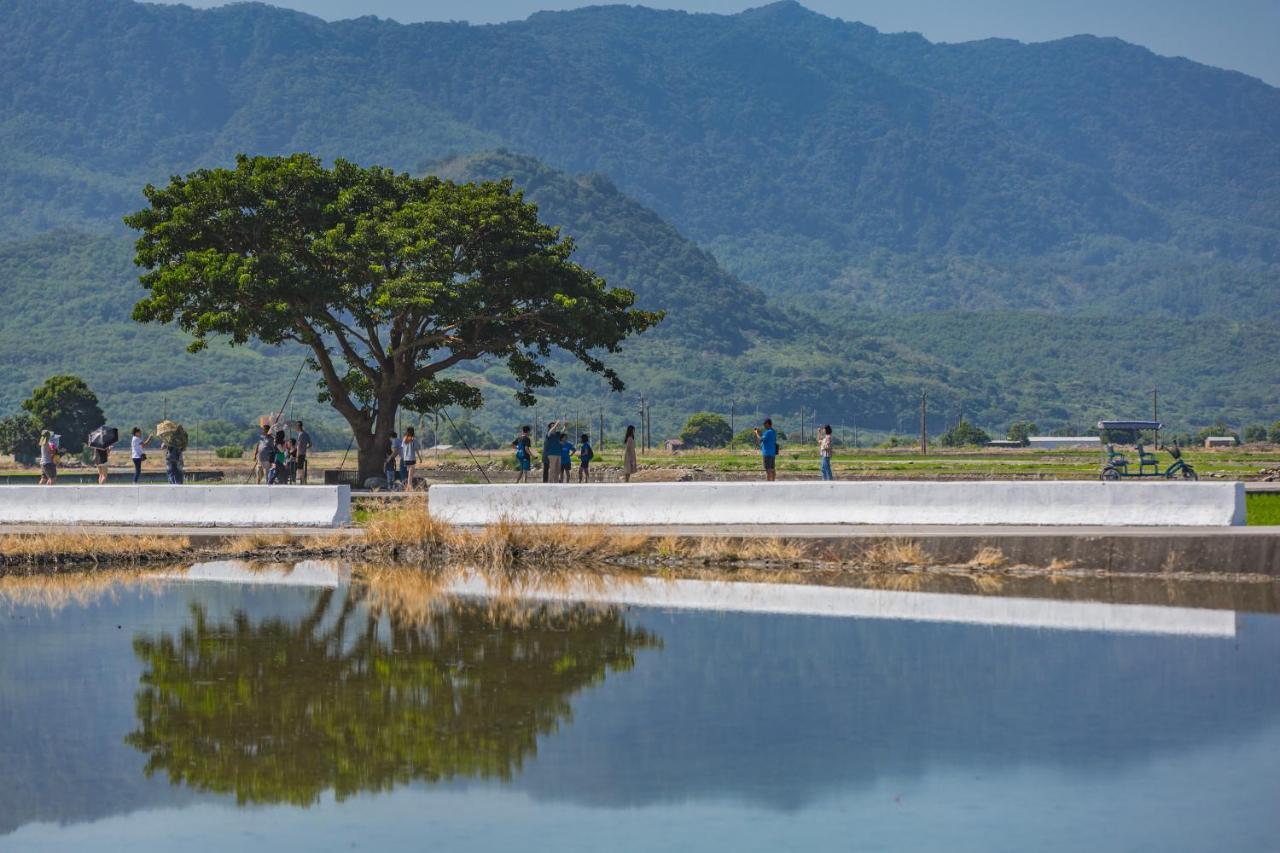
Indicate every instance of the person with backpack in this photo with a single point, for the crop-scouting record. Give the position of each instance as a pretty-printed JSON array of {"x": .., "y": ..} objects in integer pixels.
[
  {"x": 768, "y": 443},
  {"x": 173, "y": 460},
  {"x": 524, "y": 453},
  {"x": 566, "y": 458},
  {"x": 585, "y": 455}
]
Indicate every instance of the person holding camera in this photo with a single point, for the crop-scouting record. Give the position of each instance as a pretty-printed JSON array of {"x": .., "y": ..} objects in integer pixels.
[
  {"x": 137, "y": 452},
  {"x": 767, "y": 441}
]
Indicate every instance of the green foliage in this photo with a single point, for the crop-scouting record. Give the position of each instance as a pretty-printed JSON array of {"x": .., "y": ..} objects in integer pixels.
[
  {"x": 705, "y": 429},
  {"x": 963, "y": 434},
  {"x": 20, "y": 437},
  {"x": 388, "y": 280},
  {"x": 1273, "y": 435},
  {"x": 1217, "y": 428},
  {"x": 1021, "y": 431},
  {"x": 65, "y": 405},
  {"x": 230, "y": 451},
  {"x": 464, "y": 433},
  {"x": 1255, "y": 433}
]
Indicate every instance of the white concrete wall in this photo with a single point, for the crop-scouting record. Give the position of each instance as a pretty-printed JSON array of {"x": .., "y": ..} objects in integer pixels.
[
  {"x": 193, "y": 506},
  {"x": 816, "y": 502}
]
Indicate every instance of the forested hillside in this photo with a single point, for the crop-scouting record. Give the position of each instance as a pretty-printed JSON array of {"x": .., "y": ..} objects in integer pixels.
[{"x": 739, "y": 169}]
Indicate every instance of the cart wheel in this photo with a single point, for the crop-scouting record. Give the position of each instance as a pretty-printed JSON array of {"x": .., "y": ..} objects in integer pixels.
[
  {"x": 1110, "y": 473},
  {"x": 1190, "y": 474}
]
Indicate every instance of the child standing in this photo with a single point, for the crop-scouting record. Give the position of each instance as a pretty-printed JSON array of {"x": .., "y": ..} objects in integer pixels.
[
  {"x": 566, "y": 458},
  {"x": 585, "y": 455},
  {"x": 524, "y": 454}
]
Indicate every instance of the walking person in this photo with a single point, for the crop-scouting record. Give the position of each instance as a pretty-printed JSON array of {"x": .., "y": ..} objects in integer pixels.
[
  {"x": 392, "y": 463},
  {"x": 304, "y": 448},
  {"x": 101, "y": 457},
  {"x": 585, "y": 455},
  {"x": 551, "y": 454},
  {"x": 137, "y": 452},
  {"x": 172, "y": 460},
  {"x": 48, "y": 458},
  {"x": 566, "y": 458},
  {"x": 824, "y": 451},
  {"x": 629, "y": 465},
  {"x": 262, "y": 456},
  {"x": 408, "y": 457},
  {"x": 768, "y": 443},
  {"x": 524, "y": 453}
]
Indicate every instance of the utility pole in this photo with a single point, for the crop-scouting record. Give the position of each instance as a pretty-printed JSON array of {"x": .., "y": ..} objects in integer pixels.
[
  {"x": 1155, "y": 411},
  {"x": 600, "y": 434},
  {"x": 924, "y": 427},
  {"x": 802, "y": 424},
  {"x": 731, "y": 432}
]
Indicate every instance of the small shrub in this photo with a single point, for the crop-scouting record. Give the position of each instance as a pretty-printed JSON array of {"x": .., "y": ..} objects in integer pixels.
[{"x": 229, "y": 452}]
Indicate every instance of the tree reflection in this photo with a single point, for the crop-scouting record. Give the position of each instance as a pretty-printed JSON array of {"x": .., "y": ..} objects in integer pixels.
[{"x": 355, "y": 698}]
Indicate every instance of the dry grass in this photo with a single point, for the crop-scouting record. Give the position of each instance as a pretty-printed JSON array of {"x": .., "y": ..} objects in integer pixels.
[
  {"x": 55, "y": 591},
  {"x": 987, "y": 558},
  {"x": 86, "y": 546},
  {"x": 893, "y": 554}
]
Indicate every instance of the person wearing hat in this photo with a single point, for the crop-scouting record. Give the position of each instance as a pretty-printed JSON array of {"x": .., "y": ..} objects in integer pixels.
[{"x": 48, "y": 458}]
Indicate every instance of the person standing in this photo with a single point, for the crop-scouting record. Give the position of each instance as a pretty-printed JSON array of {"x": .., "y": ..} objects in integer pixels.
[
  {"x": 262, "y": 457},
  {"x": 48, "y": 458},
  {"x": 292, "y": 464},
  {"x": 768, "y": 442},
  {"x": 101, "y": 457},
  {"x": 551, "y": 454},
  {"x": 629, "y": 465},
  {"x": 173, "y": 460},
  {"x": 824, "y": 451},
  {"x": 392, "y": 462},
  {"x": 409, "y": 457},
  {"x": 566, "y": 458},
  {"x": 524, "y": 453},
  {"x": 585, "y": 455},
  {"x": 304, "y": 448},
  {"x": 279, "y": 473},
  {"x": 137, "y": 452}
]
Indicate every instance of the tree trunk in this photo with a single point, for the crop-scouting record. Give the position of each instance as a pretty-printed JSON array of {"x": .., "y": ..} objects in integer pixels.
[{"x": 374, "y": 443}]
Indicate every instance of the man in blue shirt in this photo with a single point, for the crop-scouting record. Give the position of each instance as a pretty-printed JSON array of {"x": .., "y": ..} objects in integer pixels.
[{"x": 768, "y": 441}]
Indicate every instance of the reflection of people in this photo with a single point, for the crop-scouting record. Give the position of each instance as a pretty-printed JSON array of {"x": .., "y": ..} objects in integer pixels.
[{"x": 362, "y": 693}]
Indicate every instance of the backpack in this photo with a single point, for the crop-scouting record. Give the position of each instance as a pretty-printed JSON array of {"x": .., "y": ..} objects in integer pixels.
[{"x": 586, "y": 454}]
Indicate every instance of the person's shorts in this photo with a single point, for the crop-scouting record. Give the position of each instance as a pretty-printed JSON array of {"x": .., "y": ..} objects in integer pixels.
[
  {"x": 523, "y": 462},
  {"x": 99, "y": 456},
  {"x": 768, "y": 462},
  {"x": 49, "y": 470}
]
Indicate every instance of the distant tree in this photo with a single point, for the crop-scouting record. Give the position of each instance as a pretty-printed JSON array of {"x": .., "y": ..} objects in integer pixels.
[
  {"x": 20, "y": 437},
  {"x": 466, "y": 433},
  {"x": 1256, "y": 433},
  {"x": 65, "y": 405},
  {"x": 705, "y": 429},
  {"x": 386, "y": 279},
  {"x": 1021, "y": 432},
  {"x": 1273, "y": 435},
  {"x": 963, "y": 434}
]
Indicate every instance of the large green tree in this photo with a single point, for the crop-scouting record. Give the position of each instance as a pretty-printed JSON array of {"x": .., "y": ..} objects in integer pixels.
[
  {"x": 386, "y": 280},
  {"x": 20, "y": 436},
  {"x": 706, "y": 429},
  {"x": 66, "y": 405}
]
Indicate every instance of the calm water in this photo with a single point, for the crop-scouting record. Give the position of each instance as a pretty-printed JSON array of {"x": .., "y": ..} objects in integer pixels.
[{"x": 267, "y": 717}]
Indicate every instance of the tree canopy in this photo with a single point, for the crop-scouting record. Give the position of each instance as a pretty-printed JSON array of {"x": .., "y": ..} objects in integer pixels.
[
  {"x": 65, "y": 405},
  {"x": 387, "y": 280},
  {"x": 705, "y": 429}
]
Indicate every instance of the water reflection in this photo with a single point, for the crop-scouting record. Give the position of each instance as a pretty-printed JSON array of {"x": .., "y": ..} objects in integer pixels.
[{"x": 356, "y": 696}]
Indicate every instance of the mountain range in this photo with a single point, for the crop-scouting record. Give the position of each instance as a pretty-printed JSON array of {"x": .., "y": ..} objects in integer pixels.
[{"x": 833, "y": 217}]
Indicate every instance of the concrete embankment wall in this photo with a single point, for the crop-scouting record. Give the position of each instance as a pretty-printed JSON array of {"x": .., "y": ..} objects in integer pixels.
[
  {"x": 914, "y": 502},
  {"x": 192, "y": 506}
]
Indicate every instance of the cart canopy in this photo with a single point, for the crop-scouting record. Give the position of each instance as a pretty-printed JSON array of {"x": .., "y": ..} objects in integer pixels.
[{"x": 1130, "y": 425}]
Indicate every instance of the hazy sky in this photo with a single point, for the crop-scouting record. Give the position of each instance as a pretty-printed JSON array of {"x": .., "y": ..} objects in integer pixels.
[{"x": 1240, "y": 34}]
